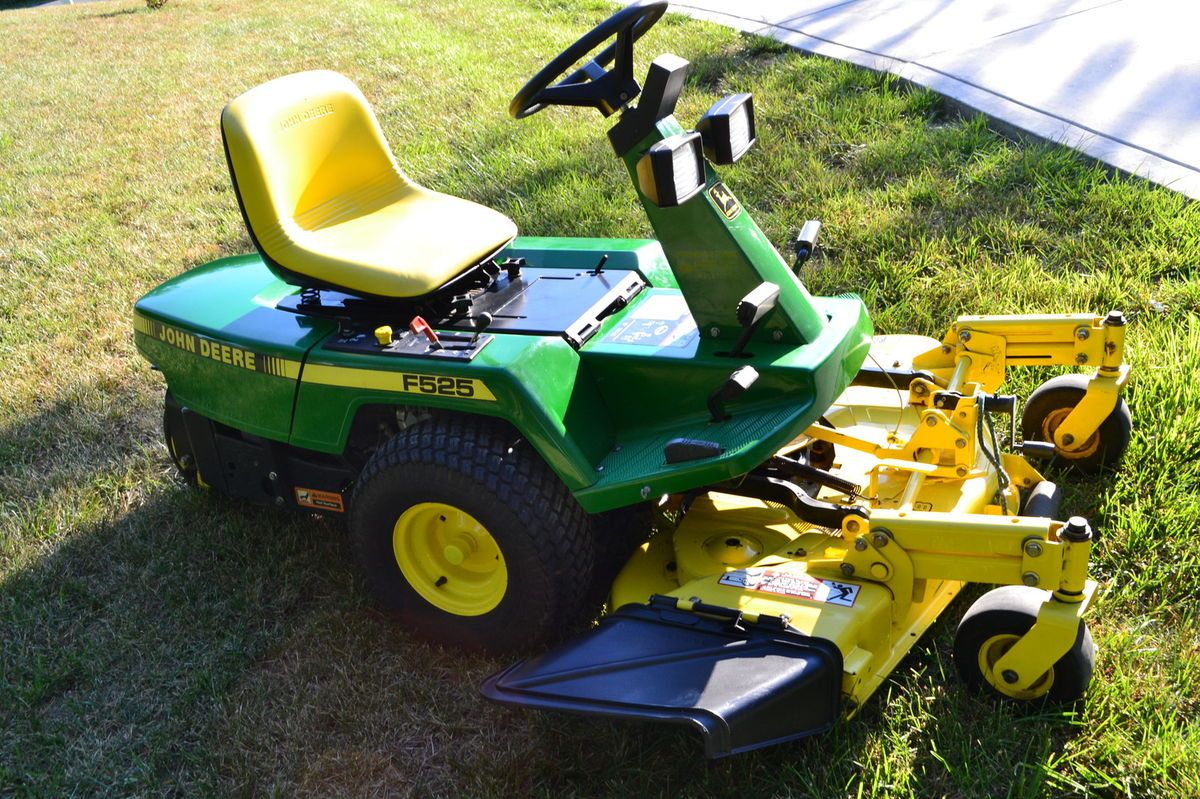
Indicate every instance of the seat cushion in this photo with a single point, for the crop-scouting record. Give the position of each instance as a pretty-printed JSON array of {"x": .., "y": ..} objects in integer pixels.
[
  {"x": 324, "y": 198},
  {"x": 412, "y": 245}
]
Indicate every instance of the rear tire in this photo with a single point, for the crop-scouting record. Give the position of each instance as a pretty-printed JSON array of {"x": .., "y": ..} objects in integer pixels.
[
  {"x": 617, "y": 535},
  {"x": 175, "y": 437},
  {"x": 464, "y": 533},
  {"x": 994, "y": 623}
]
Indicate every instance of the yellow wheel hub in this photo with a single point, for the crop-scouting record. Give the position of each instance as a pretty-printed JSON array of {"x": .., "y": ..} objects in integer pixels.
[
  {"x": 991, "y": 651},
  {"x": 1051, "y": 423},
  {"x": 450, "y": 559}
]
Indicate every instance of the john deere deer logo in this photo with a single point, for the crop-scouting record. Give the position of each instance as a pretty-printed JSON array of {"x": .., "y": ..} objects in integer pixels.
[{"x": 723, "y": 198}]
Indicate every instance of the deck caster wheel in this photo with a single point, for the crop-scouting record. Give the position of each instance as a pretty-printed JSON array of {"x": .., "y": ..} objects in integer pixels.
[
  {"x": 175, "y": 437},
  {"x": 993, "y": 624},
  {"x": 1053, "y": 401},
  {"x": 465, "y": 535}
]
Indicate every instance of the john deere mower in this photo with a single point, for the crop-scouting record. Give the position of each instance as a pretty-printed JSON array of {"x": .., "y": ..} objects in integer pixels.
[{"x": 774, "y": 503}]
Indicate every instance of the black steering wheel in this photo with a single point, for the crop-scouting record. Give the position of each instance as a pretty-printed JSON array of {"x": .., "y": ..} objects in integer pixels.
[{"x": 591, "y": 84}]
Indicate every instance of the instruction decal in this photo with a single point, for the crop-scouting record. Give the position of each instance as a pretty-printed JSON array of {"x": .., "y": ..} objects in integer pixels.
[
  {"x": 661, "y": 321},
  {"x": 794, "y": 584},
  {"x": 320, "y": 500}
]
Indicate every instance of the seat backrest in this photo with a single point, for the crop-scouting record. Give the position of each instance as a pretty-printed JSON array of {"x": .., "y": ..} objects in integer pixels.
[{"x": 295, "y": 145}]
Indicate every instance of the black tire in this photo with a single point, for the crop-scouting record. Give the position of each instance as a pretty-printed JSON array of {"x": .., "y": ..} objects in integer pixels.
[
  {"x": 483, "y": 468},
  {"x": 175, "y": 437},
  {"x": 1044, "y": 501},
  {"x": 617, "y": 533},
  {"x": 1049, "y": 404},
  {"x": 987, "y": 630}
]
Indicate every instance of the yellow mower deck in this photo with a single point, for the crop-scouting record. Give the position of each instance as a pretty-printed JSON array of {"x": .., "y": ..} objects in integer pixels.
[
  {"x": 873, "y": 589},
  {"x": 935, "y": 507}
]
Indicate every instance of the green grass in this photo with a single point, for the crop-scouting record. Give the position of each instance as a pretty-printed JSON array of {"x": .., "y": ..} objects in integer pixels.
[{"x": 158, "y": 640}]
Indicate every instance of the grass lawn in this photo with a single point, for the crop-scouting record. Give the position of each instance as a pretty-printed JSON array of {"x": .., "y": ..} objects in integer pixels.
[{"x": 157, "y": 640}]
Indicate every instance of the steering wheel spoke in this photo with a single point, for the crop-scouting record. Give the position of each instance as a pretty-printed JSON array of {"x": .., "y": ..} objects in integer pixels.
[{"x": 591, "y": 71}]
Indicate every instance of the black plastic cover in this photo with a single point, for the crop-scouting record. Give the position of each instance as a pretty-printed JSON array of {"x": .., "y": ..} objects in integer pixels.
[{"x": 743, "y": 686}]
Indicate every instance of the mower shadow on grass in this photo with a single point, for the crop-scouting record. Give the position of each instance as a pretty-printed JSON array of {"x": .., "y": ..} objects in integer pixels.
[
  {"x": 207, "y": 645},
  {"x": 122, "y": 641}
]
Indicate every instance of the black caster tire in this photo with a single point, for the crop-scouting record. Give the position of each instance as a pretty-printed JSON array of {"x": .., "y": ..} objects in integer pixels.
[
  {"x": 463, "y": 533},
  {"x": 1044, "y": 500},
  {"x": 994, "y": 623},
  {"x": 1050, "y": 404}
]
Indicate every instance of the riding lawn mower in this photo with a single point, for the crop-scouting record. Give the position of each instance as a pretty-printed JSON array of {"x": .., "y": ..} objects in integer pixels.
[{"x": 771, "y": 503}]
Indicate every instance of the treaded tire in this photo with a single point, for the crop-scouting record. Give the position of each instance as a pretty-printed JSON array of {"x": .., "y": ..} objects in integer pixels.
[
  {"x": 617, "y": 533},
  {"x": 483, "y": 467},
  {"x": 1012, "y": 610},
  {"x": 1048, "y": 405}
]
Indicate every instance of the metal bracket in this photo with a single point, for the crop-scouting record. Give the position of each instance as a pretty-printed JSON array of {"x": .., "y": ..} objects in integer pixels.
[{"x": 1103, "y": 391}]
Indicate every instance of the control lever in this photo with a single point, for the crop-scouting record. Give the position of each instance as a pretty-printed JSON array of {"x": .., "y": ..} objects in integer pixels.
[
  {"x": 419, "y": 327},
  {"x": 480, "y": 323},
  {"x": 737, "y": 384},
  {"x": 751, "y": 310},
  {"x": 806, "y": 242}
]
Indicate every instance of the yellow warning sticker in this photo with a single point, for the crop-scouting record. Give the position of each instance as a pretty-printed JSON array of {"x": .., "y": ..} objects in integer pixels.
[{"x": 404, "y": 382}]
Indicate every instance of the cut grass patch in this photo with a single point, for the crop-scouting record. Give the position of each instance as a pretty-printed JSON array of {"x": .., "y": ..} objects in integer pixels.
[{"x": 159, "y": 640}]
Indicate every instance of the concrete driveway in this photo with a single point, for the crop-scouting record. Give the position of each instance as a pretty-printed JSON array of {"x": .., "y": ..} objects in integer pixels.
[{"x": 1118, "y": 80}]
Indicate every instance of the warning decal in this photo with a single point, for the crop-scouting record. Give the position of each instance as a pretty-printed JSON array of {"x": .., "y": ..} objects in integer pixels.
[
  {"x": 797, "y": 584},
  {"x": 320, "y": 500}
]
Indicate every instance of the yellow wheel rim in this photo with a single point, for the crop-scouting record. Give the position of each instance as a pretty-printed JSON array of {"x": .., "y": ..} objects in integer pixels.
[
  {"x": 450, "y": 559},
  {"x": 1051, "y": 423},
  {"x": 992, "y": 650}
]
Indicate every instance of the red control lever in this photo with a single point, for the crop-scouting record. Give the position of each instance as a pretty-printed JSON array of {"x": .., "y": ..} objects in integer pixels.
[{"x": 420, "y": 327}]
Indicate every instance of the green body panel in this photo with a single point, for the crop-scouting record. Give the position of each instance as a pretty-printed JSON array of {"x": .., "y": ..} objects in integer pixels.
[
  {"x": 232, "y": 302},
  {"x": 717, "y": 260},
  {"x": 656, "y": 395},
  {"x": 537, "y": 381},
  {"x": 600, "y": 416}
]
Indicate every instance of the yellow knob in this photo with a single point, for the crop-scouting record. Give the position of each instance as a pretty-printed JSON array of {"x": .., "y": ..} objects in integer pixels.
[
  {"x": 383, "y": 335},
  {"x": 454, "y": 555}
]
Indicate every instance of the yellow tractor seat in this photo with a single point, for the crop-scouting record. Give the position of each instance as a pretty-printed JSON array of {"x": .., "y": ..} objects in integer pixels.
[{"x": 324, "y": 199}]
